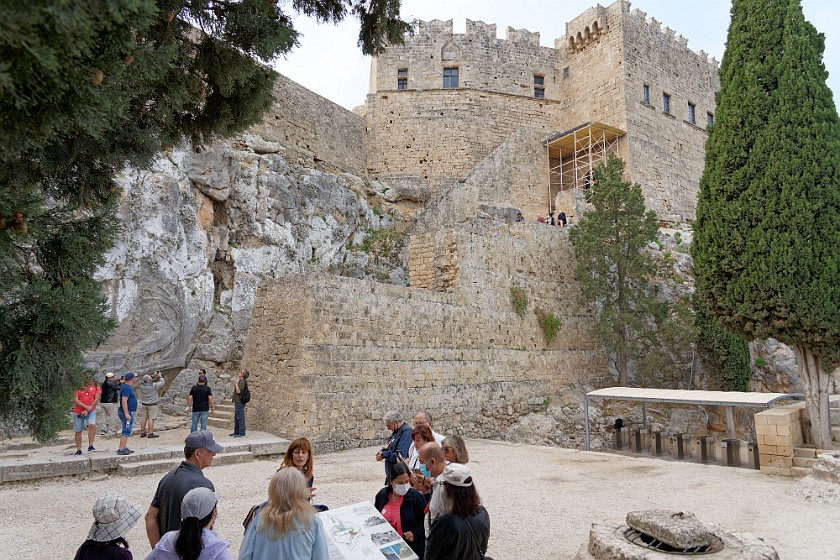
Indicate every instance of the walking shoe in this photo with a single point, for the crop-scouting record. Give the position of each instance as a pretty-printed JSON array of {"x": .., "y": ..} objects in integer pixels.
[
  {"x": 123, "y": 452},
  {"x": 150, "y": 436},
  {"x": 142, "y": 434},
  {"x": 232, "y": 435},
  {"x": 77, "y": 453},
  {"x": 239, "y": 435},
  {"x": 129, "y": 450},
  {"x": 91, "y": 448}
]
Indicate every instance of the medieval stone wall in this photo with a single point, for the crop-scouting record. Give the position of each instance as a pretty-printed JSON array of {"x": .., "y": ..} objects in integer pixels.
[
  {"x": 303, "y": 120},
  {"x": 329, "y": 356},
  {"x": 666, "y": 150}
]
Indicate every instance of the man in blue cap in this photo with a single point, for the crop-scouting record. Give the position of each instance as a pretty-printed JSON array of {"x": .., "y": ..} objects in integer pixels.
[
  {"x": 126, "y": 412},
  {"x": 164, "y": 514}
]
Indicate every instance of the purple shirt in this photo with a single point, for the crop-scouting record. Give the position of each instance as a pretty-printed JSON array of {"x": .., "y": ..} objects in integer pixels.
[{"x": 214, "y": 548}]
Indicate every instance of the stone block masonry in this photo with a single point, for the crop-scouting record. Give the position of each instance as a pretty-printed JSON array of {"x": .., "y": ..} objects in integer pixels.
[
  {"x": 329, "y": 356},
  {"x": 779, "y": 431}
]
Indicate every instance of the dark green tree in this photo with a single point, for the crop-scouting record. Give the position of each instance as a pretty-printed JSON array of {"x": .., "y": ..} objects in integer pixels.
[
  {"x": 87, "y": 88},
  {"x": 725, "y": 357},
  {"x": 767, "y": 243},
  {"x": 611, "y": 267}
]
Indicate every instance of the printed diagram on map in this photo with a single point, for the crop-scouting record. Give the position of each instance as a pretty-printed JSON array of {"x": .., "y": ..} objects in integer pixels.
[{"x": 359, "y": 532}]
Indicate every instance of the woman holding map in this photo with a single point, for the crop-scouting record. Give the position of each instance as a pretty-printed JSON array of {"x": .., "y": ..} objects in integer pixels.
[
  {"x": 288, "y": 526},
  {"x": 403, "y": 507}
]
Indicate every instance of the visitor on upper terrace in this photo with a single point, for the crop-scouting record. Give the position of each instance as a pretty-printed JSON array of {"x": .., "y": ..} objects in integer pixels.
[
  {"x": 540, "y": 219},
  {"x": 519, "y": 217},
  {"x": 561, "y": 219}
]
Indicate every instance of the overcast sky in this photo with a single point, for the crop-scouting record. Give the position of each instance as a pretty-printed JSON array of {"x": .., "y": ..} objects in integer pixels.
[{"x": 330, "y": 63}]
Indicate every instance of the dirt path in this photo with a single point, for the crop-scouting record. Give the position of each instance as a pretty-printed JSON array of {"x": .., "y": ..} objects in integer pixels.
[{"x": 541, "y": 501}]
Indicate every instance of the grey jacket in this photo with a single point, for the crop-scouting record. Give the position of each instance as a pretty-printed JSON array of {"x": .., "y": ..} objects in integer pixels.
[{"x": 148, "y": 391}]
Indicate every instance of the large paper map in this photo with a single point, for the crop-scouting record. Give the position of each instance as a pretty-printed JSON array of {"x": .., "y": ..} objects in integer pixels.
[{"x": 359, "y": 532}]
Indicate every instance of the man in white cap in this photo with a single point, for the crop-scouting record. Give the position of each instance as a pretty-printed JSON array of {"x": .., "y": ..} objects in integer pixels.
[
  {"x": 164, "y": 513},
  {"x": 149, "y": 389},
  {"x": 108, "y": 403}
]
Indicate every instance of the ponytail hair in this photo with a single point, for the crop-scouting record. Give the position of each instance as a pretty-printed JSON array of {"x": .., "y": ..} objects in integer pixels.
[{"x": 188, "y": 545}]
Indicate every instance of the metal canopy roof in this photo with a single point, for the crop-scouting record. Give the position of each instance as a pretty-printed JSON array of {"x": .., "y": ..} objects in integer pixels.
[
  {"x": 567, "y": 143},
  {"x": 725, "y": 398}
]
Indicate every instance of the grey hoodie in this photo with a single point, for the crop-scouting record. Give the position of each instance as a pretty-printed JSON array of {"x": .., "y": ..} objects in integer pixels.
[{"x": 148, "y": 392}]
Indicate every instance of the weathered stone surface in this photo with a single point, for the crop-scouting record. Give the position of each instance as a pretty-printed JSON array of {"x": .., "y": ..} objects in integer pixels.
[
  {"x": 827, "y": 468},
  {"x": 823, "y": 484},
  {"x": 676, "y": 529},
  {"x": 217, "y": 341}
]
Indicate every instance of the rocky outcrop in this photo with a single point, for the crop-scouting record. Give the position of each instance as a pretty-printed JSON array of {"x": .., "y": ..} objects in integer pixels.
[{"x": 200, "y": 230}]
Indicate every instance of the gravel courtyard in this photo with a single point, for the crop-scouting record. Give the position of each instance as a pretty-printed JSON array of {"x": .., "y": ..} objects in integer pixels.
[{"x": 541, "y": 501}]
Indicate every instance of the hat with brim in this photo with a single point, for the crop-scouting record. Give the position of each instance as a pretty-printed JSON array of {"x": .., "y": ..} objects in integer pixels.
[
  {"x": 456, "y": 474},
  {"x": 109, "y": 374},
  {"x": 114, "y": 516}
]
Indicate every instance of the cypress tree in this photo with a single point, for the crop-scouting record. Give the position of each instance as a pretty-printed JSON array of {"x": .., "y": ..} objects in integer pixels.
[
  {"x": 767, "y": 249},
  {"x": 85, "y": 89},
  {"x": 610, "y": 266}
]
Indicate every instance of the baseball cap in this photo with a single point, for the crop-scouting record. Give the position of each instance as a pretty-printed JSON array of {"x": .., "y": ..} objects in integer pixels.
[
  {"x": 199, "y": 503},
  {"x": 128, "y": 376},
  {"x": 109, "y": 374},
  {"x": 114, "y": 516},
  {"x": 203, "y": 439},
  {"x": 456, "y": 475}
]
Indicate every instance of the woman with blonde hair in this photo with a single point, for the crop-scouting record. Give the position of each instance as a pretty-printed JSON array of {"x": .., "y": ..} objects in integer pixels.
[
  {"x": 455, "y": 450},
  {"x": 288, "y": 526}
]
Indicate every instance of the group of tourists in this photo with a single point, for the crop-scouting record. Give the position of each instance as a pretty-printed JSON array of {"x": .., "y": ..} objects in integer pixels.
[
  {"x": 116, "y": 401},
  {"x": 429, "y": 499},
  {"x": 551, "y": 220}
]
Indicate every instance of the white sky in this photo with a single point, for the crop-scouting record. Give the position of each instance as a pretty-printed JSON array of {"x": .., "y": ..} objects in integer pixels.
[{"x": 330, "y": 63}]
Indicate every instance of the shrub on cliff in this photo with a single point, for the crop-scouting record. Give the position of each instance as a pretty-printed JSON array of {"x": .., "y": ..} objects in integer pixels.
[
  {"x": 725, "y": 357},
  {"x": 767, "y": 237},
  {"x": 85, "y": 89}
]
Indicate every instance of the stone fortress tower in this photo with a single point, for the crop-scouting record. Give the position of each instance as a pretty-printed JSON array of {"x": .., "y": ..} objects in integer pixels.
[{"x": 616, "y": 81}]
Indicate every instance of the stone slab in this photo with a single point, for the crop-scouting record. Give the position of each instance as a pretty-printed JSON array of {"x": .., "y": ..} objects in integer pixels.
[
  {"x": 237, "y": 447},
  {"x": 29, "y": 469},
  {"x": 232, "y": 458},
  {"x": 147, "y": 467},
  {"x": 677, "y": 529},
  {"x": 269, "y": 446},
  {"x": 70, "y": 465},
  {"x": 109, "y": 461}
]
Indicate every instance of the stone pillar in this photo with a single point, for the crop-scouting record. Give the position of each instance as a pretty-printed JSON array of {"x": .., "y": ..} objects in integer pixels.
[{"x": 778, "y": 430}]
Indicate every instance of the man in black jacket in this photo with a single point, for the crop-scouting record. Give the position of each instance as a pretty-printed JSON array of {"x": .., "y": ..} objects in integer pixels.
[
  {"x": 398, "y": 444},
  {"x": 109, "y": 423}
]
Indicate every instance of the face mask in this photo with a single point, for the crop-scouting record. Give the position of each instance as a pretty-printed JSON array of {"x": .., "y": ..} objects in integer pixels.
[
  {"x": 401, "y": 489},
  {"x": 424, "y": 471}
]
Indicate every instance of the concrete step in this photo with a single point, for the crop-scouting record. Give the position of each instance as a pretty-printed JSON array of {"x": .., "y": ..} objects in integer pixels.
[
  {"x": 164, "y": 465},
  {"x": 226, "y": 407},
  {"x": 215, "y": 422},
  {"x": 799, "y": 472},
  {"x": 804, "y": 462},
  {"x": 805, "y": 452}
]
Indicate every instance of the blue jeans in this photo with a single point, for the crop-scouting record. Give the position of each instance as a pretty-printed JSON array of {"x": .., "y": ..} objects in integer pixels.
[
  {"x": 127, "y": 423},
  {"x": 239, "y": 419},
  {"x": 199, "y": 417}
]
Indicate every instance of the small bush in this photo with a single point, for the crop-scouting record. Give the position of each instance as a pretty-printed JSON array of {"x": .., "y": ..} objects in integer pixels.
[
  {"x": 550, "y": 324},
  {"x": 519, "y": 300}
]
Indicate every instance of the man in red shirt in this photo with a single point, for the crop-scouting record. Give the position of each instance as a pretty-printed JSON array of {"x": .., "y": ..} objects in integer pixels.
[{"x": 84, "y": 412}]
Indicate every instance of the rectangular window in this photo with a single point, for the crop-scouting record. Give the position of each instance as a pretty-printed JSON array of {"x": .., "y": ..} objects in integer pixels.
[
  {"x": 692, "y": 116},
  {"x": 402, "y": 78},
  {"x": 646, "y": 94},
  {"x": 566, "y": 72},
  {"x": 450, "y": 78},
  {"x": 539, "y": 86},
  {"x": 666, "y": 103},
  {"x": 710, "y": 119}
]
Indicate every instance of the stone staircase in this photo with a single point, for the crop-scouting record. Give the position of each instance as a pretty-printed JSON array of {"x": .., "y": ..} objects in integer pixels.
[
  {"x": 805, "y": 457},
  {"x": 223, "y": 417}
]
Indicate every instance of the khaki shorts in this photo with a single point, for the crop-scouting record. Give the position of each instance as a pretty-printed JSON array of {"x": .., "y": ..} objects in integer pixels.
[{"x": 150, "y": 412}]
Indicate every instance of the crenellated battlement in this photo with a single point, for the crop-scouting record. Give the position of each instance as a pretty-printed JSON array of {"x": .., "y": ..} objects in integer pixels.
[
  {"x": 522, "y": 36},
  {"x": 585, "y": 29},
  {"x": 480, "y": 29},
  {"x": 434, "y": 28},
  {"x": 638, "y": 17}
]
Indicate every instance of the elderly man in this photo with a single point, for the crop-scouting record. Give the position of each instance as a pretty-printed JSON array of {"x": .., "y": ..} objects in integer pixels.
[
  {"x": 398, "y": 444},
  {"x": 149, "y": 389},
  {"x": 423, "y": 418},
  {"x": 165, "y": 512},
  {"x": 434, "y": 461}
]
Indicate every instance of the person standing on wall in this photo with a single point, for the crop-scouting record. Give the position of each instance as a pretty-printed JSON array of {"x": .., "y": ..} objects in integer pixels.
[
  {"x": 200, "y": 401},
  {"x": 107, "y": 410},
  {"x": 84, "y": 413},
  {"x": 126, "y": 412},
  {"x": 149, "y": 399},
  {"x": 241, "y": 396}
]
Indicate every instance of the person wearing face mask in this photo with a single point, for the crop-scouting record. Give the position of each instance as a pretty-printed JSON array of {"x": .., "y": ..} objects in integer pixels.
[
  {"x": 196, "y": 539},
  {"x": 433, "y": 462},
  {"x": 403, "y": 507}
]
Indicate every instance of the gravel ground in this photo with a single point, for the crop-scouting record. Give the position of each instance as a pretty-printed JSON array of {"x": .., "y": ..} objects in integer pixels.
[{"x": 541, "y": 500}]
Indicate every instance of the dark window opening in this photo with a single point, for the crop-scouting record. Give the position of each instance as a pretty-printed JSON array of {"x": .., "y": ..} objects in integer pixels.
[
  {"x": 646, "y": 94},
  {"x": 692, "y": 115},
  {"x": 666, "y": 103},
  {"x": 566, "y": 72},
  {"x": 710, "y": 119},
  {"x": 402, "y": 78},
  {"x": 450, "y": 78}
]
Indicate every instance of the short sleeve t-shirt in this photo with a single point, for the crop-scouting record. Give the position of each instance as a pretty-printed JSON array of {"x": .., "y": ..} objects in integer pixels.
[
  {"x": 200, "y": 398},
  {"x": 86, "y": 395},
  {"x": 171, "y": 491},
  {"x": 126, "y": 390}
]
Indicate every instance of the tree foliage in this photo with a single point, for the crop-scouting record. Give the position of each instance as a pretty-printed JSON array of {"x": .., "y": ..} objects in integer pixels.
[
  {"x": 85, "y": 89},
  {"x": 725, "y": 357},
  {"x": 767, "y": 243},
  {"x": 611, "y": 267}
]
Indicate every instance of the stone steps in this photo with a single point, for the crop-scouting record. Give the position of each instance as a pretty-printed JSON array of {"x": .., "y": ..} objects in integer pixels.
[
  {"x": 805, "y": 462},
  {"x": 163, "y": 465},
  {"x": 220, "y": 422},
  {"x": 144, "y": 461}
]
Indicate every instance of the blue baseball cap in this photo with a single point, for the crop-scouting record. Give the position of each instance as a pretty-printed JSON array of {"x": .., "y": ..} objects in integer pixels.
[{"x": 128, "y": 376}]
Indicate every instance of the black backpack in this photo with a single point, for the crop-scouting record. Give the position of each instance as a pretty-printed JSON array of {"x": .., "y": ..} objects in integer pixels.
[{"x": 245, "y": 395}]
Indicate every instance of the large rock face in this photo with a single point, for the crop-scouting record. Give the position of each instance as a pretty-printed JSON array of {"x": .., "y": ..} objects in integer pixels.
[{"x": 200, "y": 231}]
